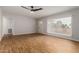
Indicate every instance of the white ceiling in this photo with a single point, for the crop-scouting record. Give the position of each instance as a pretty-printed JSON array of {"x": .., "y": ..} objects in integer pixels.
[{"x": 47, "y": 10}]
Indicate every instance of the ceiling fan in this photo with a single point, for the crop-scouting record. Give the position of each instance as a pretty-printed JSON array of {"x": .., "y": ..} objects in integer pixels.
[{"x": 32, "y": 8}]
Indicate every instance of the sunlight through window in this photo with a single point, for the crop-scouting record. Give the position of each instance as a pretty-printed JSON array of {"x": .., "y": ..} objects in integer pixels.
[{"x": 61, "y": 26}]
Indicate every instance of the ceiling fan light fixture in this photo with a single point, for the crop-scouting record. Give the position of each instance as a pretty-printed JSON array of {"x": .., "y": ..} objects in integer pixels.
[{"x": 31, "y": 12}]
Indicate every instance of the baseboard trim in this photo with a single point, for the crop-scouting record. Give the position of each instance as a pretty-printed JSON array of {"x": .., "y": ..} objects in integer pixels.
[
  {"x": 24, "y": 34},
  {"x": 71, "y": 39}
]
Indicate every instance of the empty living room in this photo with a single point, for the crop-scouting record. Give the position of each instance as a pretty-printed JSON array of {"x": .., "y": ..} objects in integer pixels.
[{"x": 39, "y": 29}]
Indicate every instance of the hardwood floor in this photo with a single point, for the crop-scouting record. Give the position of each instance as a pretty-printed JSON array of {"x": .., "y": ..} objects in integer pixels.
[{"x": 37, "y": 43}]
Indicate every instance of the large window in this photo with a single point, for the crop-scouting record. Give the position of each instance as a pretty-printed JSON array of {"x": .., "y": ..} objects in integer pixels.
[{"x": 60, "y": 26}]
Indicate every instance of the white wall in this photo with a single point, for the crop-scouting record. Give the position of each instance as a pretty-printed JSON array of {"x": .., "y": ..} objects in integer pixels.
[
  {"x": 0, "y": 24},
  {"x": 75, "y": 23},
  {"x": 42, "y": 26},
  {"x": 5, "y": 26},
  {"x": 21, "y": 24}
]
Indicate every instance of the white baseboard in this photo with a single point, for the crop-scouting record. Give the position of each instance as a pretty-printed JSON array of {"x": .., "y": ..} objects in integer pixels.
[
  {"x": 62, "y": 36},
  {"x": 24, "y": 33}
]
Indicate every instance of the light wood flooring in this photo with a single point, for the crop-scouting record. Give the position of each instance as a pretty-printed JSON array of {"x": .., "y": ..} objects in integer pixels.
[{"x": 37, "y": 43}]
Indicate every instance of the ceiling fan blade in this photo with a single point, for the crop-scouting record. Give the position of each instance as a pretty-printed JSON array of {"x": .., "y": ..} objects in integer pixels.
[
  {"x": 36, "y": 9},
  {"x": 32, "y": 8},
  {"x": 25, "y": 7}
]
